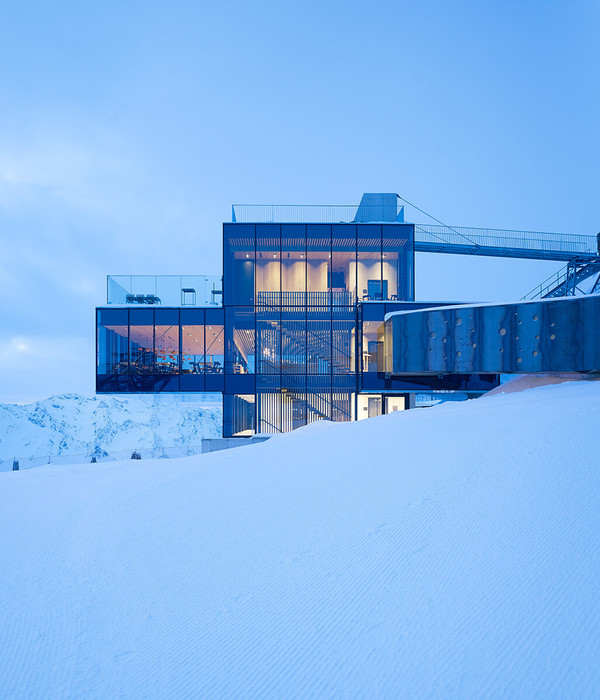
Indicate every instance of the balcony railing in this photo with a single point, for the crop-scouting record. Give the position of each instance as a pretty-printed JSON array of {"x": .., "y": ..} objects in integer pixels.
[
  {"x": 304, "y": 299},
  {"x": 166, "y": 290}
]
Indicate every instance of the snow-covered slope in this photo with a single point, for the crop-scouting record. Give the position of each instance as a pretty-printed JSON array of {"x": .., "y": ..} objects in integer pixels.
[
  {"x": 72, "y": 424},
  {"x": 450, "y": 552}
]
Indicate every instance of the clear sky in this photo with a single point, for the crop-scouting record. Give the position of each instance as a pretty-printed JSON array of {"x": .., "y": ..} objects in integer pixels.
[{"x": 127, "y": 130}]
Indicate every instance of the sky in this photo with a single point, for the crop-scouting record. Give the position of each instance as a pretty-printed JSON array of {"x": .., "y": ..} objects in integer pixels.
[{"x": 127, "y": 131}]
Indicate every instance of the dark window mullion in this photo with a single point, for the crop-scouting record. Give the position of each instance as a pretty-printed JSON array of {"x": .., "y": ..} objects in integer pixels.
[
  {"x": 154, "y": 368},
  {"x": 128, "y": 341},
  {"x": 305, "y": 324},
  {"x": 331, "y": 323},
  {"x": 280, "y": 348},
  {"x": 204, "y": 345}
]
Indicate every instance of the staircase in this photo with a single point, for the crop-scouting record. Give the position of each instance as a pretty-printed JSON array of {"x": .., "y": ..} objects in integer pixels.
[{"x": 566, "y": 282}]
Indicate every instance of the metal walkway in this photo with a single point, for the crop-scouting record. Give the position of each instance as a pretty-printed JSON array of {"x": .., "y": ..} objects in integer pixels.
[{"x": 503, "y": 243}]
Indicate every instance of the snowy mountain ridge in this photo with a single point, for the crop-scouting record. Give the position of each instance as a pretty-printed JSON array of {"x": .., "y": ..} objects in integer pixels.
[{"x": 70, "y": 424}]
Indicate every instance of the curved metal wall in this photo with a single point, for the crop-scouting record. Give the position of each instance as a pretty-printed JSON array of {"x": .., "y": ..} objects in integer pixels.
[{"x": 553, "y": 335}]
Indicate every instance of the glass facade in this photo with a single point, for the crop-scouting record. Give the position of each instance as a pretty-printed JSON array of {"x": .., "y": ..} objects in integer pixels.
[
  {"x": 289, "y": 345},
  {"x": 150, "y": 350},
  {"x": 299, "y": 337}
]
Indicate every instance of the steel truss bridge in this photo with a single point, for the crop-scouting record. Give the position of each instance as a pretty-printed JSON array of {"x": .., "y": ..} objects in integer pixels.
[
  {"x": 580, "y": 252},
  {"x": 501, "y": 243}
]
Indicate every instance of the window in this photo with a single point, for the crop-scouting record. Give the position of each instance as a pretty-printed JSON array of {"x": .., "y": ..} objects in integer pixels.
[
  {"x": 113, "y": 333},
  {"x": 238, "y": 263},
  {"x": 239, "y": 414},
  {"x": 214, "y": 342},
  {"x": 268, "y": 268},
  {"x": 343, "y": 264},
  {"x": 141, "y": 341},
  {"x": 369, "y": 280},
  {"x": 318, "y": 264},
  {"x": 192, "y": 341},
  {"x": 372, "y": 346},
  {"x": 397, "y": 259},
  {"x": 293, "y": 265},
  {"x": 240, "y": 357},
  {"x": 166, "y": 341}
]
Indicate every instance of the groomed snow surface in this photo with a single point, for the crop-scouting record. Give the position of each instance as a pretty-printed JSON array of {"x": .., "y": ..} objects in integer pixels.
[{"x": 449, "y": 552}]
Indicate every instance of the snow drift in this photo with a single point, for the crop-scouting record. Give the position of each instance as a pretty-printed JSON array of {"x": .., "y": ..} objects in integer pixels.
[{"x": 444, "y": 552}]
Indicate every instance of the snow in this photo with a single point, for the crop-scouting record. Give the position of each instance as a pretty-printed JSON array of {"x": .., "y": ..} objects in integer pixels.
[
  {"x": 71, "y": 425},
  {"x": 446, "y": 552},
  {"x": 529, "y": 381}
]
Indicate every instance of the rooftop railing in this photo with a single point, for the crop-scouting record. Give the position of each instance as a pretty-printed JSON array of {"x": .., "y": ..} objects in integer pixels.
[
  {"x": 166, "y": 290},
  {"x": 315, "y": 213}
]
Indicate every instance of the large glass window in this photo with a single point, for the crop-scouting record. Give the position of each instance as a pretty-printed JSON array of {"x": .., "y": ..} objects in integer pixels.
[
  {"x": 343, "y": 264},
  {"x": 113, "y": 332},
  {"x": 342, "y": 341},
  {"x": 318, "y": 401},
  {"x": 293, "y": 265},
  {"x": 293, "y": 341},
  {"x": 341, "y": 405},
  {"x": 268, "y": 403},
  {"x": 372, "y": 346},
  {"x": 214, "y": 342},
  {"x": 371, "y": 287},
  {"x": 238, "y": 263},
  {"x": 268, "y": 342},
  {"x": 268, "y": 268},
  {"x": 318, "y": 264},
  {"x": 318, "y": 340},
  {"x": 192, "y": 341},
  {"x": 238, "y": 415},
  {"x": 141, "y": 341},
  {"x": 293, "y": 408},
  {"x": 166, "y": 340},
  {"x": 240, "y": 357},
  {"x": 397, "y": 257}
]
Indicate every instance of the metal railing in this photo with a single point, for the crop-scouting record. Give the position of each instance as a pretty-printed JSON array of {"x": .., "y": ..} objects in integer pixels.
[
  {"x": 303, "y": 299},
  {"x": 565, "y": 281},
  {"x": 568, "y": 243},
  {"x": 314, "y": 213},
  {"x": 166, "y": 290},
  {"x": 555, "y": 280}
]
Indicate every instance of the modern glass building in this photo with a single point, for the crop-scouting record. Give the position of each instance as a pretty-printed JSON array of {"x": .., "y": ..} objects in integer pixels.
[{"x": 298, "y": 334}]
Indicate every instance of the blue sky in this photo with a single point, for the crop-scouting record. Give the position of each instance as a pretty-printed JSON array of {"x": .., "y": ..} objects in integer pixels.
[{"x": 127, "y": 130}]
